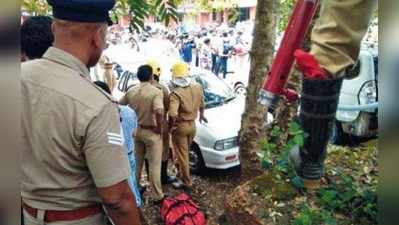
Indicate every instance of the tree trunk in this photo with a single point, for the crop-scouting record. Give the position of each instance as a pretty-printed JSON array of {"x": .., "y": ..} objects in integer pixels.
[{"x": 255, "y": 115}]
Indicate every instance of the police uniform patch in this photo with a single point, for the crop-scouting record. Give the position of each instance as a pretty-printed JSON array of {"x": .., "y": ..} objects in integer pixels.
[{"x": 114, "y": 138}]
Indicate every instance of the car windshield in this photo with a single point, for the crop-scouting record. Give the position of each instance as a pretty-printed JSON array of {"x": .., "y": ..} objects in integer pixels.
[{"x": 216, "y": 91}]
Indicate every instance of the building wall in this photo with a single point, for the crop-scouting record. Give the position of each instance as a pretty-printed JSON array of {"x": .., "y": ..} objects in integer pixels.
[
  {"x": 252, "y": 13},
  {"x": 203, "y": 18}
]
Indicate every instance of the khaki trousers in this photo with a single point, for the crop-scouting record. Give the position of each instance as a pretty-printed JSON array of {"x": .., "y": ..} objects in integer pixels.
[
  {"x": 182, "y": 138},
  {"x": 99, "y": 219},
  {"x": 165, "y": 141},
  {"x": 338, "y": 32},
  {"x": 148, "y": 145}
]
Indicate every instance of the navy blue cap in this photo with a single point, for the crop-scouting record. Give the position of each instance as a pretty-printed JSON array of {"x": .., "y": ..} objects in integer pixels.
[{"x": 89, "y": 11}]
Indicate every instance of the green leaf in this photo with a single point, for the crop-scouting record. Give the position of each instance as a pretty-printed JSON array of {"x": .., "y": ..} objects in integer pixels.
[
  {"x": 297, "y": 182},
  {"x": 294, "y": 128},
  {"x": 299, "y": 140},
  {"x": 266, "y": 164},
  {"x": 276, "y": 131}
]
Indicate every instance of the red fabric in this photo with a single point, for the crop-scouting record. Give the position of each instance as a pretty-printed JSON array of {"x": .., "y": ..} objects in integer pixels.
[
  {"x": 181, "y": 210},
  {"x": 309, "y": 65},
  {"x": 56, "y": 216}
]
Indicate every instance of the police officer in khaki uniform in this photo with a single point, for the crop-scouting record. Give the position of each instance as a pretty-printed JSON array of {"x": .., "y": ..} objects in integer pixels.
[
  {"x": 186, "y": 100},
  {"x": 335, "y": 43},
  {"x": 73, "y": 160},
  {"x": 156, "y": 70},
  {"x": 107, "y": 76},
  {"x": 147, "y": 101}
]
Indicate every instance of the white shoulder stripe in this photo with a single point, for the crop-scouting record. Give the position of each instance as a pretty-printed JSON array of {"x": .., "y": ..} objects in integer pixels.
[
  {"x": 115, "y": 142},
  {"x": 114, "y": 139},
  {"x": 114, "y": 135}
]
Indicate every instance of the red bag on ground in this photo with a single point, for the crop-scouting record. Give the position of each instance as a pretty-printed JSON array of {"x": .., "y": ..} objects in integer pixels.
[{"x": 181, "y": 210}]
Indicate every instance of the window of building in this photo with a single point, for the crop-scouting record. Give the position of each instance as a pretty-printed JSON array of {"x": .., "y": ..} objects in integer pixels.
[{"x": 244, "y": 14}]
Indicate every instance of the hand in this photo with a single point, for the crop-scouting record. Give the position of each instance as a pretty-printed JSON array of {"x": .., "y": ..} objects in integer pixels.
[
  {"x": 158, "y": 130},
  {"x": 203, "y": 119}
]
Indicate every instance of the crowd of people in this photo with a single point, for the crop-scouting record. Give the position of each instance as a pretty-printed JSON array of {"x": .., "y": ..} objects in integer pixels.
[{"x": 211, "y": 48}]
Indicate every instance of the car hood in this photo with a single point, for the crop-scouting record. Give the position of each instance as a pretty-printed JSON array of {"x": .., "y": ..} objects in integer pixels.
[{"x": 225, "y": 121}]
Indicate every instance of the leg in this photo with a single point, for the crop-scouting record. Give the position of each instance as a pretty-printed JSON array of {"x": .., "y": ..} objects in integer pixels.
[
  {"x": 335, "y": 44},
  {"x": 181, "y": 144},
  {"x": 224, "y": 67},
  {"x": 213, "y": 63},
  {"x": 319, "y": 103},
  {"x": 338, "y": 32},
  {"x": 154, "y": 155},
  {"x": 139, "y": 154},
  {"x": 165, "y": 178}
]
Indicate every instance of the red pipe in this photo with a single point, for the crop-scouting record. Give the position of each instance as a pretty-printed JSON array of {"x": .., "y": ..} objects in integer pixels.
[{"x": 293, "y": 38}]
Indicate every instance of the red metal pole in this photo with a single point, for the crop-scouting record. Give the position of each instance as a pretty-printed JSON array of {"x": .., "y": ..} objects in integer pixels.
[{"x": 294, "y": 35}]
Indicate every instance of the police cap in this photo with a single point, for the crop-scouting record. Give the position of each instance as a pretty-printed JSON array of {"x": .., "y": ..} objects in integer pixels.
[{"x": 89, "y": 11}]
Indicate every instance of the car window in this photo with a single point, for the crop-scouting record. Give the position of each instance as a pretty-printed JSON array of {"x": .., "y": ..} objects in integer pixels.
[
  {"x": 122, "y": 81},
  {"x": 132, "y": 80},
  {"x": 216, "y": 92}
]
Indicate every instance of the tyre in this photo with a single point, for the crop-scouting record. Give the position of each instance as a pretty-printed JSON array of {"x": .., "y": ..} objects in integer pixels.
[
  {"x": 196, "y": 161},
  {"x": 337, "y": 136},
  {"x": 240, "y": 89}
]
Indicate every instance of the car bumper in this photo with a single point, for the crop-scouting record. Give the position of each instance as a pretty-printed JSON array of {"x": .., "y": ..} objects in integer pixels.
[{"x": 220, "y": 159}]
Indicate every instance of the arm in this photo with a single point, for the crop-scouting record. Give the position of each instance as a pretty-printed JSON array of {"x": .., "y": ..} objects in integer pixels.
[
  {"x": 202, "y": 115},
  {"x": 109, "y": 166},
  {"x": 123, "y": 100},
  {"x": 118, "y": 199},
  {"x": 166, "y": 99},
  {"x": 174, "y": 103},
  {"x": 202, "y": 109},
  {"x": 158, "y": 109},
  {"x": 159, "y": 121}
]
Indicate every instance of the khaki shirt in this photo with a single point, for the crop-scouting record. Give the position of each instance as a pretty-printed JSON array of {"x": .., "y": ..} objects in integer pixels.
[
  {"x": 71, "y": 135},
  {"x": 145, "y": 99},
  {"x": 186, "y": 102}
]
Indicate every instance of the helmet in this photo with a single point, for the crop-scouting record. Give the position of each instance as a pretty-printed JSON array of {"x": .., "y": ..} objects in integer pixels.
[
  {"x": 156, "y": 68},
  {"x": 180, "y": 70}
]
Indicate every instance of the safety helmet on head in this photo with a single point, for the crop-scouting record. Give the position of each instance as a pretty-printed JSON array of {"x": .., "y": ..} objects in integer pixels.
[
  {"x": 180, "y": 70},
  {"x": 156, "y": 68}
]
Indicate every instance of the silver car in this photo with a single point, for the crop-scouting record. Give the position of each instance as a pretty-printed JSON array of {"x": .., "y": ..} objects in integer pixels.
[{"x": 215, "y": 144}]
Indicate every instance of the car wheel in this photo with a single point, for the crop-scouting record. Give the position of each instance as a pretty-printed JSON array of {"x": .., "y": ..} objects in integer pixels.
[
  {"x": 337, "y": 136},
  {"x": 196, "y": 161},
  {"x": 240, "y": 89}
]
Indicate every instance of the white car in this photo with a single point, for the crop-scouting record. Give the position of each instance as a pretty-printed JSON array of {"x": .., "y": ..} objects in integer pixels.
[
  {"x": 215, "y": 144},
  {"x": 239, "y": 75},
  {"x": 358, "y": 102}
]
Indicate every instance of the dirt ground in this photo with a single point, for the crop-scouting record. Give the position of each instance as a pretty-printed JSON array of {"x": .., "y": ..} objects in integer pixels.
[
  {"x": 209, "y": 191},
  {"x": 212, "y": 186}
]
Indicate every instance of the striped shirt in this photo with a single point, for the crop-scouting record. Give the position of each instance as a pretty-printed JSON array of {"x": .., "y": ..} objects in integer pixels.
[{"x": 129, "y": 126}]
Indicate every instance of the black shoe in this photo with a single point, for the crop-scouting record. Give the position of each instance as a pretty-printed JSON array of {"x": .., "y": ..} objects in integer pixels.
[
  {"x": 142, "y": 189},
  {"x": 187, "y": 189},
  {"x": 319, "y": 102}
]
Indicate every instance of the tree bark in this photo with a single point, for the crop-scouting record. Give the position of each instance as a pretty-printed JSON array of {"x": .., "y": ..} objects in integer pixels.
[{"x": 255, "y": 115}]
